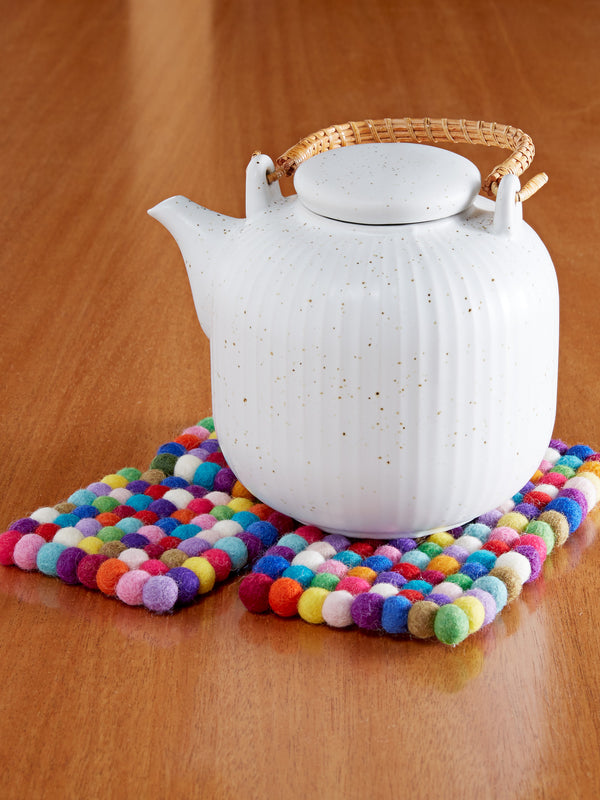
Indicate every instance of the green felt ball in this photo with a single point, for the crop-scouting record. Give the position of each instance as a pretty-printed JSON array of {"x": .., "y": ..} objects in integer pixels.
[
  {"x": 543, "y": 530},
  {"x": 431, "y": 549},
  {"x": 461, "y": 579},
  {"x": 451, "y": 624},
  {"x": 222, "y": 512},
  {"x": 105, "y": 503},
  {"x": 110, "y": 533},
  {"x": 568, "y": 472},
  {"x": 207, "y": 423},
  {"x": 131, "y": 473},
  {"x": 164, "y": 462},
  {"x": 325, "y": 580}
]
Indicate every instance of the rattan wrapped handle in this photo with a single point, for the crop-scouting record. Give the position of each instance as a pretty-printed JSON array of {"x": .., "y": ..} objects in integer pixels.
[{"x": 423, "y": 130}]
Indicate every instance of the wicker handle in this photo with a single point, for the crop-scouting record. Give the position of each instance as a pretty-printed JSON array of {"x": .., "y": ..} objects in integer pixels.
[{"x": 490, "y": 134}]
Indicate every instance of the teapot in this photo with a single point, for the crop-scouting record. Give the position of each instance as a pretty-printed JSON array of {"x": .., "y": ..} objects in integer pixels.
[{"x": 384, "y": 342}]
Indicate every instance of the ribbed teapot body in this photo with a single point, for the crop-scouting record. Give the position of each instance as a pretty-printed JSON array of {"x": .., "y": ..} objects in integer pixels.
[{"x": 384, "y": 380}]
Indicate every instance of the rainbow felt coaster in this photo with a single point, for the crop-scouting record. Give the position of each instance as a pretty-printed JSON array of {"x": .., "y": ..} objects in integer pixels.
[{"x": 163, "y": 538}]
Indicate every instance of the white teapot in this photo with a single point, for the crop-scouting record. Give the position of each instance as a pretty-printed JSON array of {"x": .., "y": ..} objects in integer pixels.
[{"x": 384, "y": 343}]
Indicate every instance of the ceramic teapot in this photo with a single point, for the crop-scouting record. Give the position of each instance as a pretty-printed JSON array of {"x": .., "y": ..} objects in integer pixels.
[{"x": 384, "y": 343}]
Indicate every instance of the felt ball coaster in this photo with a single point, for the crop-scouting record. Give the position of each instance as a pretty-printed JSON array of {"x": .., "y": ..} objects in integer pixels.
[{"x": 163, "y": 538}]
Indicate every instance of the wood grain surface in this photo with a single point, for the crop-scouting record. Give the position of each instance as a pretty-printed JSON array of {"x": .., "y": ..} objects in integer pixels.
[{"x": 106, "y": 108}]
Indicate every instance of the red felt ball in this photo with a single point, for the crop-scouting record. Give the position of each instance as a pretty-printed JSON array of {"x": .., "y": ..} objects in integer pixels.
[
  {"x": 310, "y": 533},
  {"x": 156, "y": 491},
  {"x": 536, "y": 498},
  {"x": 154, "y": 566},
  {"x": 363, "y": 549},
  {"x": 146, "y": 516},
  {"x": 284, "y": 595},
  {"x": 200, "y": 505},
  {"x": 353, "y": 584},
  {"x": 154, "y": 550},
  {"x": 531, "y": 540},
  {"x": 254, "y": 592},
  {"x": 409, "y": 571},
  {"x": 433, "y": 576},
  {"x": 8, "y": 541},
  {"x": 554, "y": 479},
  {"x": 496, "y": 546},
  {"x": 123, "y": 511},
  {"x": 47, "y": 530},
  {"x": 412, "y": 595},
  {"x": 88, "y": 567},
  {"x": 261, "y": 510},
  {"x": 281, "y": 522},
  {"x": 217, "y": 458},
  {"x": 220, "y": 561}
]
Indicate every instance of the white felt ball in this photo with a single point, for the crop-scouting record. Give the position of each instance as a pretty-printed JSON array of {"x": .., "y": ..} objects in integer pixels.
[
  {"x": 336, "y": 609},
  {"x": 44, "y": 514},
  {"x": 309, "y": 558},
  {"x": 179, "y": 497},
  {"x": 586, "y": 487},
  {"x": 133, "y": 557},
  {"x": 516, "y": 561},
  {"x": 384, "y": 589},
  {"x": 469, "y": 543},
  {"x": 68, "y": 536},
  {"x": 120, "y": 494},
  {"x": 592, "y": 478},
  {"x": 186, "y": 466},
  {"x": 324, "y": 548},
  {"x": 551, "y": 456},
  {"x": 507, "y": 506},
  {"x": 450, "y": 589},
  {"x": 548, "y": 489},
  {"x": 218, "y": 498},
  {"x": 210, "y": 535},
  {"x": 226, "y": 527}
]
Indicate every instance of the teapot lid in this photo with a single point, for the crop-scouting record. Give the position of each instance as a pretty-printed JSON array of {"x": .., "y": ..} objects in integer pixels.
[{"x": 387, "y": 183}]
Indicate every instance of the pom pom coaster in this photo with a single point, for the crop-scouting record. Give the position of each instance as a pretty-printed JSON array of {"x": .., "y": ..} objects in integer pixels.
[{"x": 163, "y": 538}]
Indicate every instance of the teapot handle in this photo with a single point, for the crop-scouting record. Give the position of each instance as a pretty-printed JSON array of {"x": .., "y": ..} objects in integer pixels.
[{"x": 423, "y": 130}]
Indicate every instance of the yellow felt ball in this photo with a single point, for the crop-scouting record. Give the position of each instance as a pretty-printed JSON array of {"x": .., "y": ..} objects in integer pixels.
[
  {"x": 115, "y": 481},
  {"x": 444, "y": 564},
  {"x": 518, "y": 522},
  {"x": 590, "y": 466},
  {"x": 474, "y": 610},
  {"x": 90, "y": 544},
  {"x": 241, "y": 504},
  {"x": 441, "y": 538},
  {"x": 204, "y": 570},
  {"x": 310, "y": 605},
  {"x": 583, "y": 472},
  {"x": 212, "y": 435},
  {"x": 536, "y": 476}
]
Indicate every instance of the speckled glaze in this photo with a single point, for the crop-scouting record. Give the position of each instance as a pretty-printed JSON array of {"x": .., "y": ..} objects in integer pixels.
[{"x": 375, "y": 380}]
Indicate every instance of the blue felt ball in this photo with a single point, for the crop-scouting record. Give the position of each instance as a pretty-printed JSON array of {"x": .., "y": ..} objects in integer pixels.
[
  {"x": 47, "y": 557},
  {"x": 569, "y": 461},
  {"x": 82, "y": 497},
  {"x": 174, "y": 448},
  {"x": 485, "y": 557},
  {"x": 582, "y": 451},
  {"x": 378, "y": 563},
  {"x": 174, "y": 482},
  {"x": 205, "y": 474},
  {"x": 67, "y": 520},
  {"x": 273, "y": 566},
  {"x": 478, "y": 530},
  {"x": 266, "y": 532},
  {"x": 394, "y": 614},
  {"x": 187, "y": 531},
  {"x": 570, "y": 508},
  {"x": 129, "y": 524},
  {"x": 85, "y": 511},
  {"x": 139, "y": 502},
  {"x": 235, "y": 549},
  {"x": 167, "y": 524},
  {"x": 495, "y": 587},
  {"x": 418, "y": 586},
  {"x": 293, "y": 540},
  {"x": 298, "y": 572},
  {"x": 474, "y": 570},
  {"x": 349, "y": 558},
  {"x": 416, "y": 557},
  {"x": 245, "y": 518}
]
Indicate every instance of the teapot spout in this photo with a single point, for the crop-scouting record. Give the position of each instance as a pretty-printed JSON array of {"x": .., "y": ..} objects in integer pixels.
[{"x": 199, "y": 233}]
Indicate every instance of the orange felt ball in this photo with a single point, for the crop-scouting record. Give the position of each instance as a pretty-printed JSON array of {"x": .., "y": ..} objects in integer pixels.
[
  {"x": 107, "y": 519},
  {"x": 239, "y": 490},
  {"x": 365, "y": 573},
  {"x": 183, "y": 515},
  {"x": 445, "y": 564},
  {"x": 108, "y": 575},
  {"x": 284, "y": 595}
]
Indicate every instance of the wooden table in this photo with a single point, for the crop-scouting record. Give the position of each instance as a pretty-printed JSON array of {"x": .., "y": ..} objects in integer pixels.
[{"x": 107, "y": 108}]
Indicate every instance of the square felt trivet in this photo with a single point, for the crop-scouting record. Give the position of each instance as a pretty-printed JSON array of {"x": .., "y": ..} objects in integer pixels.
[{"x": 162, "y": 538}]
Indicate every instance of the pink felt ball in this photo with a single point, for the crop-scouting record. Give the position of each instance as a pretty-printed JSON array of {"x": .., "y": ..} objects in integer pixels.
[
  {"x": 152, "y": 532},
  {"x": 26, "y": 550},
  {"x": 505, "y": 534},
  {"x": 130, "y": 586}
]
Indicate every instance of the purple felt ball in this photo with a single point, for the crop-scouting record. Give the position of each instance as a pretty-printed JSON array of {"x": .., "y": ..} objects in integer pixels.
[
  {"x": 137, "y": 487},
  {"x": 162, "y": 508},
  {"x": 439, "y": 599},
  {"x": 403, "y": 544},
  {"x": 188, "y": 583},
  {"x": 194, "y": 546},
  {"x": 490, "y": 518},
  {"x": 24, "y": 525},
  {"x": 280, "y": 550},
  {"x": 88, "y": 526},
  {"x": 579, "y": 497},
  {"x": 393, "y": 578},
  {"x": 253, "y": 544},
  {"x": 366, "y": 610},
  {"x": 487, "y": 601},
  {"x": 224, "y": 480},
  {"x": 337, "y": 541},
  {"x": 532, "y": 555},
  {"x": 196, "y": 491},
  {"x": 99, "y": 489},
  {"x": 135, "y": 540},
  {"x": 527, "y": 509},
  {"x": 67, "y": 563},
  {"x": 457, "y": 552},
  {"x": 558, "y": 444},
  {"x": 160, "y": 593}
]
